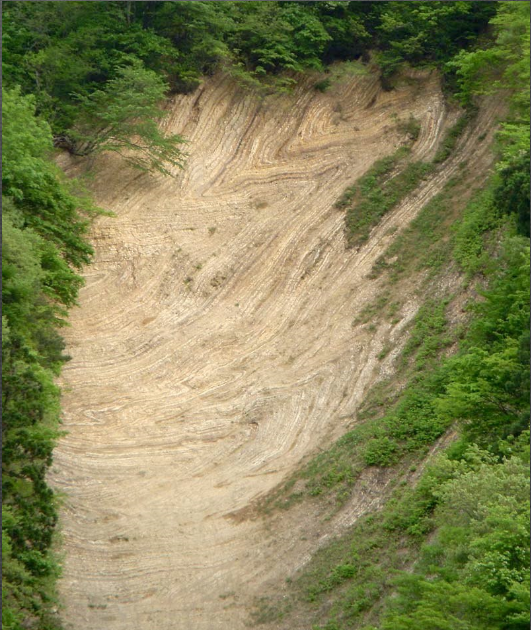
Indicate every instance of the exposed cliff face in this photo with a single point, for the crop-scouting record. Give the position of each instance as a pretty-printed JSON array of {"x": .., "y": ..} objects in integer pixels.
[{"x": 214, "y": 348}]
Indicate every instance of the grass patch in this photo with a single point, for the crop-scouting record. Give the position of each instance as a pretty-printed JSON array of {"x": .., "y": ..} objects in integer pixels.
[
  {"x": 430, "y": 335},
  {"x": 410, "y": 127},
  {"x": 371, "y": 310},
  {"x": 346, "y": 69},
  {"x": 454, "y": 133},
  {"x": 378, "y": 191},
  {"x": 323, "y": 85},
  {"x": 426, "y": 242},
  {"x": 267, "y": 610},
  {"x": 380, "y": 169},
  {"x": 382, "y": 307},
  {"x": 443, "y": 233}
]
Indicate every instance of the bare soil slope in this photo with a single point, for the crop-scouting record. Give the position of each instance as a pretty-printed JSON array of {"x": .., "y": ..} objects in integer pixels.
[{"x": 213, "y": 348}]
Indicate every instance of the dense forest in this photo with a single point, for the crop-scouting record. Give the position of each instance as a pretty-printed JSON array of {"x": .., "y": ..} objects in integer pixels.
[{"x": 91, "y": 77}]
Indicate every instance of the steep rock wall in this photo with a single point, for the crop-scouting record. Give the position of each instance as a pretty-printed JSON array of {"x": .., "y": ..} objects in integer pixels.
[{"x": 213, "y": 347}]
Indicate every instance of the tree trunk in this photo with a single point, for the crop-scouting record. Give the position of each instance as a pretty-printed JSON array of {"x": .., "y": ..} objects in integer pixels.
[{"x": 64, "y": 142}]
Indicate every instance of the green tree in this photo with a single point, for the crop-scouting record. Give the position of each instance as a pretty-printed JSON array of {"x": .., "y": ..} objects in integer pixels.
[
  {"x": 511, "y": 194},
  {"x": 43, "y": 228},
  {"x": 505, "y": 65},
  {"x": 488, "y": 381},
  {"x": 123, "y": 118},
  {"x": 428, "y": 32},
  {"x": 474, "y": 573}
]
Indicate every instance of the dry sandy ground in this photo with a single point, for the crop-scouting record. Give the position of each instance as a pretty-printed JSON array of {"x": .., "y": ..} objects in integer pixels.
[{"x": 213, "y": 349}]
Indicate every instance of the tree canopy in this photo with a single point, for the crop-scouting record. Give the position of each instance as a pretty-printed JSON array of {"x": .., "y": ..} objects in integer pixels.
[
  {"x": 44, "y": 226},
  {"x": 123, "y": 118},
  {"x": 75, "y": 57}
]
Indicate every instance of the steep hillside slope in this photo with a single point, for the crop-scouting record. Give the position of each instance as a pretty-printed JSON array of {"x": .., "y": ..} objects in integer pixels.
[{"x": 214, "y": 348}]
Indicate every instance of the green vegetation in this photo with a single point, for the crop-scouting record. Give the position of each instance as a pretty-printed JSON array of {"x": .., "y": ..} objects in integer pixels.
[
  {"x": 442, "y": 234},
  {"x": 426, "y": 242},
  {"x": 384, "y": 185},
  {"x": 68, "y": 71},
  {"x": 488, "y": 383},
  {"x": 504, "y": 66},
  {"x": 453, "y": 135},
  {"x": 474, "y": 572},
  {"x": 44, "y": 223},
  {"x": 92, "y": 77},
  {"x": 67, "y": 55},
  {"x": 428, "y": 33},
  {"x": 375, "y": 201},
  {"x": 123, "y": 118},
  {"x": 478, "y": 551}
]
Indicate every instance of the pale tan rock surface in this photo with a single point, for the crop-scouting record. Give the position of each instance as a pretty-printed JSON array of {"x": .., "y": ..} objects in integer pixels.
[{"x": 213, "y": 348}]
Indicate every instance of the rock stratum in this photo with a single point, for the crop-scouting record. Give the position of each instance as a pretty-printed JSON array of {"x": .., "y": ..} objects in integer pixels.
[{"x": 214, "y": 347}]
